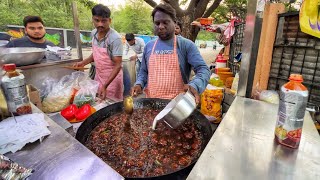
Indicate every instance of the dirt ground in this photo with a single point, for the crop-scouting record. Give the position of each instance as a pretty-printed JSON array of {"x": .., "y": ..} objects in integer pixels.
[{"x": 209, "y": 54}]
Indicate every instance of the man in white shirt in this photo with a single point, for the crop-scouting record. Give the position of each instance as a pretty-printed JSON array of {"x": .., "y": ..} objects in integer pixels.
[{"x": 137, "y": 45}]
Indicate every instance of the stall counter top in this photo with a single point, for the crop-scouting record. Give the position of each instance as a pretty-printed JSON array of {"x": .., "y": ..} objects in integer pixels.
[
  {"x": 48, "y": 62},
  {"x": 60, "y": 156},
  {"x": 243, "y": 147}
]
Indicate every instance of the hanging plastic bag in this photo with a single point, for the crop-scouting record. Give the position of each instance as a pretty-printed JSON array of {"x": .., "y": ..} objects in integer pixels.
[
  {"x": 87, "y": 93},
  {"x": 308, "y": 17}
]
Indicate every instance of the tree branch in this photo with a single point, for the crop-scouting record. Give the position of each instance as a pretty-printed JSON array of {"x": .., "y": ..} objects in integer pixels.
[
  {"x": 201, "y": 7},
  {"x": 151, "y": 3},
  {"x": 176, "y": 6},
  {"x": 191, "y": 7},
  {"x": 213, "y": 7}
]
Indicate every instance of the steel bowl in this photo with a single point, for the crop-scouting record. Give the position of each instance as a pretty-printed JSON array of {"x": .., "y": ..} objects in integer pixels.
[
  {"x": 179, "y": 109},
  {"x": 22, "y": 56}
]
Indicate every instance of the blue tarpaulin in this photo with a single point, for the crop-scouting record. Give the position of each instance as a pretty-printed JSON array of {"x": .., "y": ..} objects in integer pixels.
[{"x": 146, "y": 38}]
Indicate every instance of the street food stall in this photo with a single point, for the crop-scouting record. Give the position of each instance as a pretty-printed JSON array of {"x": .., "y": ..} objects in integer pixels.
[
  {"x": 244, "y": 146},
  {"x": 113, "y": 144}
]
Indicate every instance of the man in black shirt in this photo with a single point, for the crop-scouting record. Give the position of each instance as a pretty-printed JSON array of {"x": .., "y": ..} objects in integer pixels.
[{"x": 35, "y": 32}]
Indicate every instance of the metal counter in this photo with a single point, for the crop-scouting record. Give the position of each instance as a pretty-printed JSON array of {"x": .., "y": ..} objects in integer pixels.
[
  {"x": 243, "y": 147},
  {"x": 36, "y": 73},
  {"x": 48, "y": 62},
  {"x": 60, "y": 156}
]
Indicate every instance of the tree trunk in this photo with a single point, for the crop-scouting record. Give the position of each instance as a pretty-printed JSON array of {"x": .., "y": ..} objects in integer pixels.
[
  {"x": 196, "y": 9},
  {"x": 188, "y": 31}
]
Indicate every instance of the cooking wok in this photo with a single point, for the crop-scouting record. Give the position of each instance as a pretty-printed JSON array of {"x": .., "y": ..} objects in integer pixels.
[
  {"x": 22, "y": 56},
  {"x": 96, "y": 118}
]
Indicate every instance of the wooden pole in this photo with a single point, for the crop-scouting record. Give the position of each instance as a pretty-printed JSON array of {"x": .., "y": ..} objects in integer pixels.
[
  {"x": 76, "y": 29},
  {"x": 268, "y": 35}
]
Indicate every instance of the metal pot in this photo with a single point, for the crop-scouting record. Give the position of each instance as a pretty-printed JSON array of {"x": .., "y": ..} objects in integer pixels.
[
  {"x": 181, "y": 108},
  {"x": 200, "y": 120},
  {"x": 22, "y": 56}
]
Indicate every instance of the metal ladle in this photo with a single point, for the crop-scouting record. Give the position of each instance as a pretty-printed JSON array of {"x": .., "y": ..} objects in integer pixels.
[
  {"x": 128, "y": 108},
  {"x": 128, "y": 104}
]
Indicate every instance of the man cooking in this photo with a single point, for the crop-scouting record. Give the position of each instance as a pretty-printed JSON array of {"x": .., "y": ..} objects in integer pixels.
[
  {"x": 137, "y": 44},
  {"x": 106, "y": 53},
  {"x": 168, "y": 60},
  {"x": 35, "y": 32}
]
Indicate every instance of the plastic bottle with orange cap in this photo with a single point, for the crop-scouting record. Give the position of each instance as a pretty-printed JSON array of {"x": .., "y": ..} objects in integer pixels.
[
  {"x": 292, "y": 107},
  {"x": 14, "y": 87}
]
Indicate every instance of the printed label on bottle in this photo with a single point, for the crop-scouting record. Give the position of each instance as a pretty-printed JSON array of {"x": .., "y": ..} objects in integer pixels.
[
  {"x": 291, "y": 112},
  {"x": 16, "y": 95}
]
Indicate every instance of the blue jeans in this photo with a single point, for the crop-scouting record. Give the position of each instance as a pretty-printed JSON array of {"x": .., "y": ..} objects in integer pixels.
[
  {"x": 138, "y": 65},
  {"x": 126, "y": 82}
]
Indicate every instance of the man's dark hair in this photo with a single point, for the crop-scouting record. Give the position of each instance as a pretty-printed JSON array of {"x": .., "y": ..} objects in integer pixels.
[
  {"x": 29, "y": 19},
  {"x": 180, "y": 25},
  {"x": 165, "y": 8},
  {"x": 101, "y": 10},
  {"x": 129, "y": 36}
]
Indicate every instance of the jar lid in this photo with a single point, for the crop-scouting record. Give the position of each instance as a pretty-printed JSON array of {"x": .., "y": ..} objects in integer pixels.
[
  {"x": 221, "y": 60},
  {"x": 296, "y": 77},
  {"x": 9, "y": 67}
]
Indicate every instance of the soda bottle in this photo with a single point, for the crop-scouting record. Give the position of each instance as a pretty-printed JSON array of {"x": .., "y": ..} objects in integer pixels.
[
  {"x": 15, "y": 92},
  {"x": 292, "y": 106}
]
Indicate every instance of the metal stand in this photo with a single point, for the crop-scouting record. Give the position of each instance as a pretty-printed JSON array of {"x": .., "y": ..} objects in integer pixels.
[{"x": 249, "y": 49}]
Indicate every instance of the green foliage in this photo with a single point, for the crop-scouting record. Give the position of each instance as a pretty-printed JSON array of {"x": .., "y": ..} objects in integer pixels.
[
  {"x": 55, "y": 13},
  {"x": 229, "y": 8},
  {"x": 134, "y": 17},
  {"x": 206, "y": 36}
]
